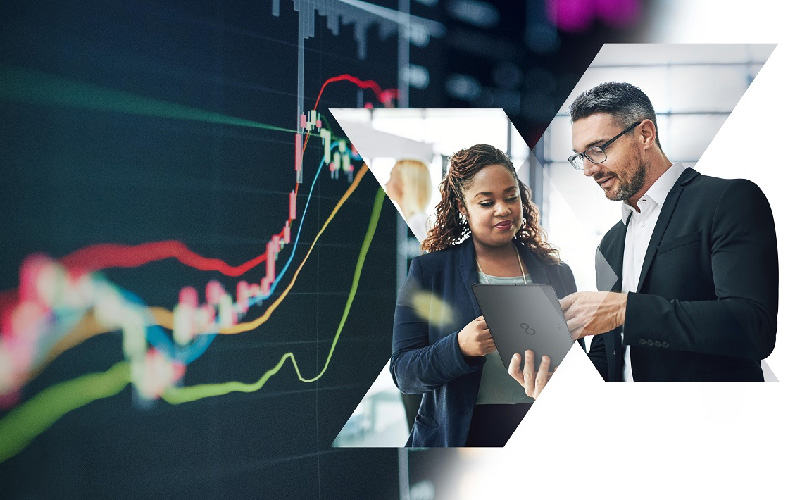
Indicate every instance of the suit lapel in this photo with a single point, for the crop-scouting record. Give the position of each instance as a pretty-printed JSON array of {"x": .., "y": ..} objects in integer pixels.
[
  {"x": 467, "y": 269},
  {"x": 666, "y": 212}
]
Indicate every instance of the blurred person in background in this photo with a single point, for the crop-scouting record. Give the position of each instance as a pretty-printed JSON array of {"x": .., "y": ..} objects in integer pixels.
[{"x": 410, "y": 188}]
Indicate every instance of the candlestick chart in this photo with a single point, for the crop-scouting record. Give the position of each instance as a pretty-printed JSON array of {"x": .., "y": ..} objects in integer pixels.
[{"x": 197, "y": 284}]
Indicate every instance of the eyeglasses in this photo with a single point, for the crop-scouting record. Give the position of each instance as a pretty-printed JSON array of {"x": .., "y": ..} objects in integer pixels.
[{"x": 596, "y": 154}]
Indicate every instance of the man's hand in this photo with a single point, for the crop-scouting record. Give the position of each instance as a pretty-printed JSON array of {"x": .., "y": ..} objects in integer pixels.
[
  {"x": 475, "y": 338},
  {"x": 533, "y": 382},
  {"x": 592, "y": 313}
]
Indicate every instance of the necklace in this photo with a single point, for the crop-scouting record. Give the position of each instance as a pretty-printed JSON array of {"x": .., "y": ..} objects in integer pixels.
[{"x": 524, "y": 280}]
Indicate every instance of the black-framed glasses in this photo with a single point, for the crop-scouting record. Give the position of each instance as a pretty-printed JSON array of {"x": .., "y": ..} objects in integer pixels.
[{"x": 596, "y": 154}]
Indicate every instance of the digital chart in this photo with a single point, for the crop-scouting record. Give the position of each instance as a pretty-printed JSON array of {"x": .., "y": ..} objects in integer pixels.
[{"x": 192, "y": 297}]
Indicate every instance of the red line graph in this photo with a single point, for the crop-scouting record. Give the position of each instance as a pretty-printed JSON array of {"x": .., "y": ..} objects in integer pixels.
[
  {"x": 384, "y": 96},
  {"x": 111, "y": 255},
  {"x": 107, "y": 255}
]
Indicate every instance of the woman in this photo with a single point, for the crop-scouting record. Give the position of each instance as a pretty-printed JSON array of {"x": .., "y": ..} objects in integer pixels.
[
  {"x": 410, "y": 188},
  {"x": 486, "y": 231}
]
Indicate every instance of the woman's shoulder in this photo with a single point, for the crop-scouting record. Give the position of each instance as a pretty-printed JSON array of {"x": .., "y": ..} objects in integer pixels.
[
  {"x": 440, "y": 258},
  {"x": 525, "y": 250},
  {"x": 560, "y": 266},
  {"x": 563, "y": 267},
  {"x": 552, "y": 268},
  {"x": 566, "y": 275},
  {"x": 437, "y": 256}
]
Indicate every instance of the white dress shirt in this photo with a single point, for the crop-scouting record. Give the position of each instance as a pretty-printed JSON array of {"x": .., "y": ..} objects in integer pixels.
[{"x": 639, "y": 233}]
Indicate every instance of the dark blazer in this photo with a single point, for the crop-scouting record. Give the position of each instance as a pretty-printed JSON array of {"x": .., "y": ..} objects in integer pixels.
[
  {"x": 426, "y": 356},
  {"x": 708, "y": 291}
]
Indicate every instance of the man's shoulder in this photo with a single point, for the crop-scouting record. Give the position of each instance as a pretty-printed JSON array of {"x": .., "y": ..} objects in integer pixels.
[
  {"x": 704, "y": 190},
  {"x": 701, "y": 182}
]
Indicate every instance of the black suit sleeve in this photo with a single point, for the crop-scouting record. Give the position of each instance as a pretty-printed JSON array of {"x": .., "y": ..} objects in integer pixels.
[
  {"x": 741, "y": 321},
  {"x": 417, "y": 365}
]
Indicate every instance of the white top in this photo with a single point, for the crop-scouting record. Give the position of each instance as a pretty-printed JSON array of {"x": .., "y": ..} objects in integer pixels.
[{"x": 639, "y": 233}]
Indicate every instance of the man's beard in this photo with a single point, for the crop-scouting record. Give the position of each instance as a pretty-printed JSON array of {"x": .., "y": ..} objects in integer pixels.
[{"x": 628, "y": 188}]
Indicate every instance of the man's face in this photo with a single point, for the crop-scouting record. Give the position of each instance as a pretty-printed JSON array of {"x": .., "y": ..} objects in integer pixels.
[{"x": 623, "y": 174}]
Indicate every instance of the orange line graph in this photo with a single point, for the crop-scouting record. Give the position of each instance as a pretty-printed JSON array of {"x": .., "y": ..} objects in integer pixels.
[{"x": 252, "y": 325}]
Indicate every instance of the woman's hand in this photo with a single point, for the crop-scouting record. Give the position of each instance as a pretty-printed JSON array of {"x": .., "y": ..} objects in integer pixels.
[
  {"x": 533, "y": 382},
  {"x": 475, "y": 338}
]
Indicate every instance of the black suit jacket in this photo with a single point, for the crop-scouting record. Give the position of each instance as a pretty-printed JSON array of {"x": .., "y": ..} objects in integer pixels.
[
  {"x": 426, "y": 356},
  {"x": 707, "y": 297}
]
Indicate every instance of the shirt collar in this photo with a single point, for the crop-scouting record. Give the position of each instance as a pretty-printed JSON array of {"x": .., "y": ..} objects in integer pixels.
[{"x": 658, "y": 191}]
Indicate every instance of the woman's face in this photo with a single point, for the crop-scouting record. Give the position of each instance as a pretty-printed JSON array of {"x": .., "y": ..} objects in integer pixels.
[
  {"x": 394, "y": 186},
  {"x": 493, "y": 206}
]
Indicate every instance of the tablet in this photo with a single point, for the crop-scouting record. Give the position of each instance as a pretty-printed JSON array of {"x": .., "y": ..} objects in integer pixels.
[{"x": 522, "y": 317}]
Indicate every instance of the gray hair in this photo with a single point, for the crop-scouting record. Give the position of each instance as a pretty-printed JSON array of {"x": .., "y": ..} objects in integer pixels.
[{"x": 625, "y": 102}]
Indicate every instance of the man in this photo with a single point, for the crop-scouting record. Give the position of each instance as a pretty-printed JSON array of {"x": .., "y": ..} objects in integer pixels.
[{"x": 695, "y": 257}]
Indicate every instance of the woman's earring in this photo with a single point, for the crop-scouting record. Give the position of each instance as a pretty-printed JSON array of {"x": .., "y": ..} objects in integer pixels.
[
  {"x": 462, "y": 220},
  {"x": 523, "y": 223}
]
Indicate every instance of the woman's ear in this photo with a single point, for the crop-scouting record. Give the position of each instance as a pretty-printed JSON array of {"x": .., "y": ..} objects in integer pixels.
[{"x": 460, "y": 206}]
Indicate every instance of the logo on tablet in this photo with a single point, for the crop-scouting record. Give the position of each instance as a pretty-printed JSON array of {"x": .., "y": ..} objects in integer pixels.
[{"x": 528, "y": 329}]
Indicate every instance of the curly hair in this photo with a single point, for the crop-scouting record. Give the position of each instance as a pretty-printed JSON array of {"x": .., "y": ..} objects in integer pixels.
[{"x": 449, "y": 229}]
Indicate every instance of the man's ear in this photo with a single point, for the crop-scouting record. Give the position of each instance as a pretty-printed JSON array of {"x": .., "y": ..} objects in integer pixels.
[{"x": 648, "y": 132}]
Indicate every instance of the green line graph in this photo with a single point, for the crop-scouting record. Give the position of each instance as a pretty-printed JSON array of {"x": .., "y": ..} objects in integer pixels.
[
  {"x": 179, "y": 395},
  {"x": 25, "y": 422}
]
